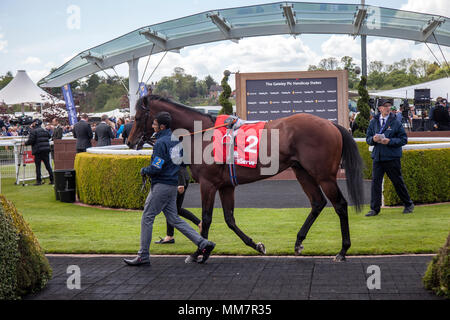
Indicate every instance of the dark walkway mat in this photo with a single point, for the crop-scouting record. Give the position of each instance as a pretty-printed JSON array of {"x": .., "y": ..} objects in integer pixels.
[{"x": 236, "y": 278}]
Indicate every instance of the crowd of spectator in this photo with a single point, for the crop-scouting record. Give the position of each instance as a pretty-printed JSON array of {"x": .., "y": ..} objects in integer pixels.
[
  {"x": 438, "y": 115},
  {"x": 120, "y": 128}
]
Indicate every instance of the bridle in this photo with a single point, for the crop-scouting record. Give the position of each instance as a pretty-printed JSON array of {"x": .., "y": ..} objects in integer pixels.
[{"x": 145, "y": 138}]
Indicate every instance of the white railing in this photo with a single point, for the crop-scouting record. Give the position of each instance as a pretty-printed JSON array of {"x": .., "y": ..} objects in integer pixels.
[
  {"x": 121, "y": 149},
  {"x": 12, "y": 160},
  {"x": 443, "y": 143}
]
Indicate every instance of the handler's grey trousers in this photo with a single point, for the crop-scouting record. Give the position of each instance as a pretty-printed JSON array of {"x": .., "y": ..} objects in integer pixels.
[{"x": 163, "y": 197}]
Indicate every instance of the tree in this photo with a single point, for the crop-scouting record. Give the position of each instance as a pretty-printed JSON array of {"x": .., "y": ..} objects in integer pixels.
[
  {"x": 209, "y": 81},
  {"x": 350, "y": 67},
  {"x": 329, "y": 64},
  {"x": 92, "y": 83},
  {"x": 376, "y": 66},
  {"x": 363, "y": 118},
  {"x": 227, "y": 107},
  {"x": 4, "y": 80},
  {"x": 183, "y": 87}
]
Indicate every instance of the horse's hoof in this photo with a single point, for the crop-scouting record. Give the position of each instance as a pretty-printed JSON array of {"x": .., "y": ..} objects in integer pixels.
[
  {"x": 191, "y": 259},
  {"x": 299, "y": 249},
  {"x": 339, "y": 258},
  {"x": 261, "y": 248}
]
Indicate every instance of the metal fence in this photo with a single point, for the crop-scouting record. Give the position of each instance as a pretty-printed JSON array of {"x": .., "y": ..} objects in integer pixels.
[{"x": 16, "y": 161}]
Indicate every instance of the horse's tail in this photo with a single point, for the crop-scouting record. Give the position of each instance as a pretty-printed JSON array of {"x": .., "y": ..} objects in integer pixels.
[{"x": 353, "y": 166}]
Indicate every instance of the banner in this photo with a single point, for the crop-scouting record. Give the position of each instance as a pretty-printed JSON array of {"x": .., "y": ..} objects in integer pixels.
[
  {"x": 142, "y": 89},
  {"x": 28, "y": 157},
  {"x": 70, "y": 105}
]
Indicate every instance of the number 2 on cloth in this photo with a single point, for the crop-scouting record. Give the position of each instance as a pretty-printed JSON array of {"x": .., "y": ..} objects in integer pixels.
[{"x": 158, "y": 162}]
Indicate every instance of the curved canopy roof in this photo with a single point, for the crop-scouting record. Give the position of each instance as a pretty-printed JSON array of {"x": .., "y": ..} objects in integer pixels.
[{"x": 258, "y": 20}]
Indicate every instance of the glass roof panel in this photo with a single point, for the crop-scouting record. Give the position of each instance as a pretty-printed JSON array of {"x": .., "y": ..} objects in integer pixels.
[
  {"x": 254, "y": 15},
  {"x": 325, "y": 13},
  {"x": 184, "y": 26}
]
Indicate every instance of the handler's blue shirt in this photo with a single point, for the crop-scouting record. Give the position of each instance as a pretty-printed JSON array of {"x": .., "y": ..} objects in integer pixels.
[
  {"x": 161, "y": 168},
  {"x": 394, "y": 131}
]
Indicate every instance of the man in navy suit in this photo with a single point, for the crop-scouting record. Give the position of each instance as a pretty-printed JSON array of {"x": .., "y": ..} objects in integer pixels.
[{"x": 387, "y": 135}]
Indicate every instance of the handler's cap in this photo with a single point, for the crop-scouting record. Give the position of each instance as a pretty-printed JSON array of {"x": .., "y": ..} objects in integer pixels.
[
  {"x": 38, "y": 122},
  {"x": 164, "y": 118},
  {"x": 382, "y": 102}
]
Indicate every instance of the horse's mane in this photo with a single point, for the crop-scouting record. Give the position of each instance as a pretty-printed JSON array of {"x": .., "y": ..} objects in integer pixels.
[{"x": 179, "y": 105}]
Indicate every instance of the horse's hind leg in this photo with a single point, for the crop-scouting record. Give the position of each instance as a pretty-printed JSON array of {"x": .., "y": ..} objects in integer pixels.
[
  {"x": 318, "y": 202},
  {"x": 333, "y": 193},
  {"x": 227, "y": 198}
]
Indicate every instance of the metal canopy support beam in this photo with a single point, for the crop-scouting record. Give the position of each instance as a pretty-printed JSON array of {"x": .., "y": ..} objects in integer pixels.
[
  {"x": 360, "y": 15},
  {"x": 289, "y": 14},
  {"x": 133, "y": 84},
  {"x": 223, "y": 25},
  {"x": 156, "y": 38},
  {"x": 428, "y": 30},
  {"x": 364, "y": 55},
  {"x": 93, "y": 58}
]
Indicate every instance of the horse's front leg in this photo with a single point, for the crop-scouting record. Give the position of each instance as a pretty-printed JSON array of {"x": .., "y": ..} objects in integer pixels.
[
  {"x": 208, "y": 194},
  {"x": 227, "y": 198}
]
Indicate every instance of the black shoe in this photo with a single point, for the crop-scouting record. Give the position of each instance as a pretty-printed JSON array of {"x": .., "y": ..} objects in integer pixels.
[
  {"x": 51, "y": 182},
  {"x": 38, "y": 183},
  {"x": 409, "y": 209},
  {"x": 162, "y": 241},
  {"x": 372, "y": 213},
  {"x": 138, "y": 261},
  {"x": 206, "y": 251}
]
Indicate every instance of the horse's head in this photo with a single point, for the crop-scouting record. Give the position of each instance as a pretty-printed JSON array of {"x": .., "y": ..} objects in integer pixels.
[{"x": 142, "y": 127}]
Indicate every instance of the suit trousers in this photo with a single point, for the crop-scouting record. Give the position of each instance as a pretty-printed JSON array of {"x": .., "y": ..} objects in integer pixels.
[
  {"x": 163, "y": 197},
  {"x": 42, "y": 156},
  {"x": 393, "y": 170}
]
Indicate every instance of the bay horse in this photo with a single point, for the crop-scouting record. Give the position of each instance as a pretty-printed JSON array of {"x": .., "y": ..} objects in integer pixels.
[{"x": 313, "y": 147}]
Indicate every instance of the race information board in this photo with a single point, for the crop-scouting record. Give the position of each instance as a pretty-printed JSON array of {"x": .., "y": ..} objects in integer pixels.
[
  {"x": 273, "y": 99},
  {"x": 273, "y": 95}
]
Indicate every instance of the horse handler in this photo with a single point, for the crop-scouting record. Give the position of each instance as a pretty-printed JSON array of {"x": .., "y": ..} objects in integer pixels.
[{"x": 163, "y": 194}]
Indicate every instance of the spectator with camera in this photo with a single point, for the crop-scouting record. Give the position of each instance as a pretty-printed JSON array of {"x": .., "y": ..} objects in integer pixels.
[{"x": 39, "y": 139}]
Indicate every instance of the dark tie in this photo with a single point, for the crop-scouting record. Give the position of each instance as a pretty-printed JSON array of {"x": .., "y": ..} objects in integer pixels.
[{"x": 382, "y": 123}]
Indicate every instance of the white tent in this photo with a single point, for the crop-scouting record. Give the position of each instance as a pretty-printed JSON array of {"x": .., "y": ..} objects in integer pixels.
[
  {"x": 438, "y": 88},
  {"x": 22, "y": 89},
  {"x": 116, "y": 113}
]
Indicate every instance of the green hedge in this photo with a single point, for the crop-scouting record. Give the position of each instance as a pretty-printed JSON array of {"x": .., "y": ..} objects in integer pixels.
[
  {"x": 114, "y": 180},
  {"x": 111, "y": 180},
  {"x": 427, "y": 177},
  {"x": 426, "y": 174},
  {"x": 24, "y": 268},
  {"x": 437, "y": 276}
]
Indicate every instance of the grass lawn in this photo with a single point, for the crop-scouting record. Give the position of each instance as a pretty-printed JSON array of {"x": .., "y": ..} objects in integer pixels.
[{"x": 68, "y": 228}]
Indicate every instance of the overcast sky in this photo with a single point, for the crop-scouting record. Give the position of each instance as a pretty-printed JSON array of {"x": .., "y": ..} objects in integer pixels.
[{"x": 38, "y": 35}]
